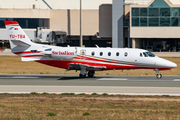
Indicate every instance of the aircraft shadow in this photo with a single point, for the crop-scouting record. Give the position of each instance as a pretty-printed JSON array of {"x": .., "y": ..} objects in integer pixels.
[{"x": 73, "y": 78}]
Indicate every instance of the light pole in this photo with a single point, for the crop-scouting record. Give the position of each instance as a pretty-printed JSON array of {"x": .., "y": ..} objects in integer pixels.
[{"x": 81, "y": 38}]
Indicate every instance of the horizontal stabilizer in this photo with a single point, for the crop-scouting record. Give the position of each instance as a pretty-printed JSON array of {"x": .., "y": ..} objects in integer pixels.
[
  {"x": 19, "y": 43},
  {"x": 29, "y": 59}
]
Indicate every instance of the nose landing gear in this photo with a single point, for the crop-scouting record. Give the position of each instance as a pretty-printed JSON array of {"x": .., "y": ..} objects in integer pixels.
[{"x": 158, "y": 75}]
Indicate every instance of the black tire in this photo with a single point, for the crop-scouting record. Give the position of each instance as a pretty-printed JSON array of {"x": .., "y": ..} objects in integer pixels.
[
  {"x": 159, "y": 76},
  {"x": 82, "y": 76},
  {"x": 91, "y": 73}
]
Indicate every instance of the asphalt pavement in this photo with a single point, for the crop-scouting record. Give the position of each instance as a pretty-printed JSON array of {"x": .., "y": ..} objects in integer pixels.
[{"x": 133, "y": 85}]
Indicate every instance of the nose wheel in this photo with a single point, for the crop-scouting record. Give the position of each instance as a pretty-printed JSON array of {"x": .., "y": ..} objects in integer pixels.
[{"x": 158, "y": 75}]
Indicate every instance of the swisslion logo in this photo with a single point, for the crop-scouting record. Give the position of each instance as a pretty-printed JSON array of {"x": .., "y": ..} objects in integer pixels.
[{"x": 62, "y": 53}]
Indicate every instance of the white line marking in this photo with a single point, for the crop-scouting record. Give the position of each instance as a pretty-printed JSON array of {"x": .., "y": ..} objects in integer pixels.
[
  {"x": 176, "y": 80},
  {"x": 21, "y": 77},
  {"x": 24, "y": 77},
  {"x": 112, "y": 79}
]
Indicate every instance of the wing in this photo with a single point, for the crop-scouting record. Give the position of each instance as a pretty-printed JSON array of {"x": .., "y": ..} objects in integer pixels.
[{"x": 77, "y": 66}]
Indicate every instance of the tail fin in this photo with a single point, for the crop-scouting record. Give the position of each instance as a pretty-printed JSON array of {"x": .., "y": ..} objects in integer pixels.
[{"x": 17, "y": 36}]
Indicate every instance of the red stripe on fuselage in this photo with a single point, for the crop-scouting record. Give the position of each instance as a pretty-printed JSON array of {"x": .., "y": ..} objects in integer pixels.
[
  {"x": 108, "y": 61},
  {"x": 65, "y": 64},
  {"x": 25, "y": 52},
  {"x": 33, "y": 56}
]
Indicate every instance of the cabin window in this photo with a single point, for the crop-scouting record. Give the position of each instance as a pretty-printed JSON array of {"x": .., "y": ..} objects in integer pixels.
[
  {"x": 117, "y": 54},
  {"x": 125, "y": 54},
  {"x": 33, "y": 51},
  {"x": 145, "y": 55},
  {"x": 93, "y": 53},
  {"x": 141, "y": 55},
  {"x": 109, "y": 53},
  {"x": 101, "y": 54}
]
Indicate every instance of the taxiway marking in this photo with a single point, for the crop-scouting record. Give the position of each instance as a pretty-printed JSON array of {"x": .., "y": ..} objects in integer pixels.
[
  {"x": 113, "y": 79},
  {"x": 176, "y": 80}
]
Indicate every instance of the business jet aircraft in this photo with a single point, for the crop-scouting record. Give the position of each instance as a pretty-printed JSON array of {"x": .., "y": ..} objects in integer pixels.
[{"x": 82, "y": 58}]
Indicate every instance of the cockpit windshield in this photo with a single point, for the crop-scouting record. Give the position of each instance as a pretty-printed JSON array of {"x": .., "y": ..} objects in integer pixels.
[
  {"x": 145, "y": 55},
  {"x": 150, "y": 54}
]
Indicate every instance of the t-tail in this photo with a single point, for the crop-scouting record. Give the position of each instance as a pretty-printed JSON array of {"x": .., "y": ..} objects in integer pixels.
[
  {"x": 18, "y": 40},
  {"x": 20, "y": 43}
]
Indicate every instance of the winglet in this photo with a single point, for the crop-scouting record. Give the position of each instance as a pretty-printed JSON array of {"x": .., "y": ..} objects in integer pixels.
[{"x": 10, "y": 22}]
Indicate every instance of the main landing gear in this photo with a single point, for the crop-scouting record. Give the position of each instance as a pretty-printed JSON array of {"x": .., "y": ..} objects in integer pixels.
[
  {"x": 90, "y": 74},
  {"x": 158, "y": 75},
  {"x": 84, "y": 72}
]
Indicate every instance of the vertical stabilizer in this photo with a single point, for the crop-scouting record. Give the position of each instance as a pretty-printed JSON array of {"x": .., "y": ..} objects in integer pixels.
[{"x": 16, "y": 35}]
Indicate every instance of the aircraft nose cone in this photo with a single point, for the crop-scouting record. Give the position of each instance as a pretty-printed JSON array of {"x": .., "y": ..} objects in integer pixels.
[
  {"x": 172, "y": 65},
  {"x": 165, "y": 63}
]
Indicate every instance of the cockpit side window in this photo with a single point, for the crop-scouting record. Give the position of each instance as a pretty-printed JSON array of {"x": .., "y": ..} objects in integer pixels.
[
  {"x": 145, "y": 55},
  {"x": 150, "y": 54},
  {"x": 141, "y": 55}
]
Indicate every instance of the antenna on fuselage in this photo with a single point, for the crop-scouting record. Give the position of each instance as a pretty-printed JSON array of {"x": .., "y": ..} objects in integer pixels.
[{"x": 96, "y": 45}]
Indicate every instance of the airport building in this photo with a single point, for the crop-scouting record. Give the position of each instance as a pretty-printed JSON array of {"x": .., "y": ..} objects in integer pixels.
[
  {"x": 147, "y": 24},
  {"x": 156, "y": 26}
]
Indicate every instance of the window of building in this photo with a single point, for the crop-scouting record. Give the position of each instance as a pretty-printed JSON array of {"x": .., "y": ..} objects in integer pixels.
[
  {"x": 101, "y": 54},
  {"x": 174, "y": 12},
  {"x": 153, "y": 21},
  {"x": 32, "y": 23},
  {"x": 109, "y": 53},
  {"x": 143, "y": 11},
  {"x": 135, "y": 21},
  {"x": 135, "y": 11},
  {"x": 174, "y": 21},
  {"x": 143, "y": 21},
  {"x": 165, "y": 12},
  {"x": 159, "y": 13},
  {"x": 154, "y": 12},
  {"x": 164, "y": 21},
  {"x": 117, "y": 54}
]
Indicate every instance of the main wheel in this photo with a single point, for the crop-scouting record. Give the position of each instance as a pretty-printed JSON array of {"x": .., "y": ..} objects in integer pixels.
[
  {"x": 91, "y": 73},
  {"x": 159, "y": 76},
  {"x": 82, "y": 76}
]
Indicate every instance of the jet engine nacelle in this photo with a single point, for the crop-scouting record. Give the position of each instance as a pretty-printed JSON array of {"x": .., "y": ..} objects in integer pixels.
[{"x": 63, "y": 53}]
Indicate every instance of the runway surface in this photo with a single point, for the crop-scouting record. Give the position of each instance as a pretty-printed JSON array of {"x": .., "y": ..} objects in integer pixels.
[{"x": 128, "y": 85}]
